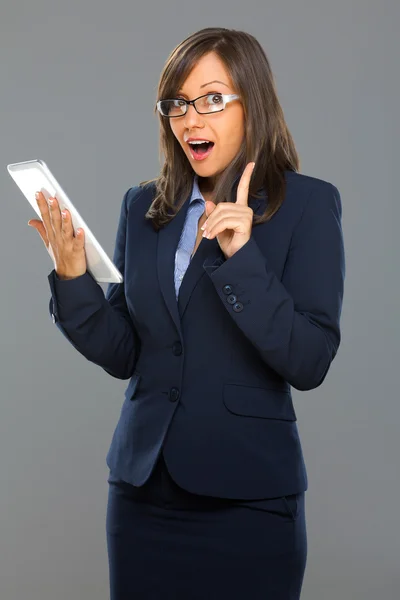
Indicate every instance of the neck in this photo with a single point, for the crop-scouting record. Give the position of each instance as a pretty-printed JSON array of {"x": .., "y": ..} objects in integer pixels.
[{"x": 206, "y": 187}]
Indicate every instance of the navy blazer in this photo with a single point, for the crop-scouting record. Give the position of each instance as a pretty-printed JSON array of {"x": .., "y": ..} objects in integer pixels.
[{"x": 211, "y": 374}]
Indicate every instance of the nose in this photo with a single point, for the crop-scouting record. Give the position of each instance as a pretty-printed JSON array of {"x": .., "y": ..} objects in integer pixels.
[{"x": 191, "y": 117}]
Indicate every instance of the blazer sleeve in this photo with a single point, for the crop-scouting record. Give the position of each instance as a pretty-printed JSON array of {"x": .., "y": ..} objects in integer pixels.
[
  {"x": 98, "y": 325},
  {"x": 293, "y": 322}
]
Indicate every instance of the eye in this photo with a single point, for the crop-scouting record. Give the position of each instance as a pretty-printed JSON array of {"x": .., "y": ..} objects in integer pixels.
[{"x": 214, "y": 98}]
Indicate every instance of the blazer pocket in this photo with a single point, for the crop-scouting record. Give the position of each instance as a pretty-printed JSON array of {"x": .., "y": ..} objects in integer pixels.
[
  {"x": 259, "y": 402},
  {"x": 132, "y": 388}
]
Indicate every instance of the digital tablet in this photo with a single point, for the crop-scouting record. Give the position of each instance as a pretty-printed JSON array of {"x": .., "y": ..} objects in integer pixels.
[{"x": 34, "y": 176}]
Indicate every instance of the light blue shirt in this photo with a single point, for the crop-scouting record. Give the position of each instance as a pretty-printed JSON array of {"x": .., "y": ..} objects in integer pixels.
[{"x": 189, "y": 234}]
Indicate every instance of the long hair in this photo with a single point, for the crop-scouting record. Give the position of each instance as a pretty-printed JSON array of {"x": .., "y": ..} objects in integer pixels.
[{"x": 267, "y": 140}]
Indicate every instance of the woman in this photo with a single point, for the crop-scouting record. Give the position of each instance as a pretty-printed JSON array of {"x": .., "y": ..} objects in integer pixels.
[{"x": 232, "y": 293}]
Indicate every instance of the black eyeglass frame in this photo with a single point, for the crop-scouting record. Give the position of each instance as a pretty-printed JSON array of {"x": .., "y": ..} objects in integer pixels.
[{"x": 225, "y": 98}]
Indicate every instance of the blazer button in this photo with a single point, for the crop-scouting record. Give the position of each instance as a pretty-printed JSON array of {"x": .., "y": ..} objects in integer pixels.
[
  {"x": 177, "y": 348},
  {"x": 237, "y": 307},
  {"x": 227, "y": 289},
  {"x": 174, "y": 394},
  {"x": 231, "y": 299}
]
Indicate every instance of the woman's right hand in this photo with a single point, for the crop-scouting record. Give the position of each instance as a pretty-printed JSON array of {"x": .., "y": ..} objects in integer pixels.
[{"x": 66, "y": 249}]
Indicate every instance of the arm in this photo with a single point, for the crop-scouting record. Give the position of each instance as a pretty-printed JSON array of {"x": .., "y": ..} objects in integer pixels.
[
  {"x": 293, "y": 323},
  {"x": 97, "y": 325}
]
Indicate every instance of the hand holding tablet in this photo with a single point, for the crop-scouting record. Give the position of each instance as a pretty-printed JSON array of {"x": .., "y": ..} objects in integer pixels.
[
  {"x": 64, "y": 246},
  {"x": 73, "y": 252}
]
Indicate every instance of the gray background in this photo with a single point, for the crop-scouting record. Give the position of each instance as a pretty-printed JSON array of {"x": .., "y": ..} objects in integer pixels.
[{"x": 78, "y": 85}]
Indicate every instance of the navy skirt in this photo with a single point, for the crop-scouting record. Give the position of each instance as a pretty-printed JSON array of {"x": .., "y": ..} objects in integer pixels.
[{"x": 166, "y": 543}]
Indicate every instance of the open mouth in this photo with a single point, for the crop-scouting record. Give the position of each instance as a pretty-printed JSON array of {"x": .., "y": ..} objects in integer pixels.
[{"x": 201, "y": 151}]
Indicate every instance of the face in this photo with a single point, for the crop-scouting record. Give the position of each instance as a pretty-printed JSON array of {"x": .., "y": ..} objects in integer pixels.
[{"x": 224, "y": 128}]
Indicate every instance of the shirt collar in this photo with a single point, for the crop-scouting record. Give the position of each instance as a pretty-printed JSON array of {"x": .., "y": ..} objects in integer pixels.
[{"x": 196, "y": 193}]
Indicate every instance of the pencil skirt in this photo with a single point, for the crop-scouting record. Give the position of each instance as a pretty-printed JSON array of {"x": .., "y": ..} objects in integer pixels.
[{"x": 164, "y": 542}]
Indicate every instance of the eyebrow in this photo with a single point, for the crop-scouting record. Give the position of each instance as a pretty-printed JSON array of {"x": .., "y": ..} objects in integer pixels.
[
  {"x": 214, "y": 81},
  {"x": 204, "y": 84}
]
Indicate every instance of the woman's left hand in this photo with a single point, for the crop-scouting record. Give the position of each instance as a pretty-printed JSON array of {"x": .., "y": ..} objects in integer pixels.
[{"x": 231, "y": 222}]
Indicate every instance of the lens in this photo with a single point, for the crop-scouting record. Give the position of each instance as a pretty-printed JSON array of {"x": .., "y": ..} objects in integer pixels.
[
  {"x": 173, "y": 108},
  {"x": 204, "y": 104},
  {"x": 210, "y": 103}
]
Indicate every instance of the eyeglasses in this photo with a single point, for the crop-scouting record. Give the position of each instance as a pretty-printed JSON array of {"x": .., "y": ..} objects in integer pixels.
[{"x": 209, "y": 103}]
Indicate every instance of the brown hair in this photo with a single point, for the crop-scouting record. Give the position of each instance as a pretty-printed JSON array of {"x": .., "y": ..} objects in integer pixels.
[{"x": 267, "y": 140}]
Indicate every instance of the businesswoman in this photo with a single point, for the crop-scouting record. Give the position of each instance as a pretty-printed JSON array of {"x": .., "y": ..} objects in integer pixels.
[{"x": 233, "y": 268}]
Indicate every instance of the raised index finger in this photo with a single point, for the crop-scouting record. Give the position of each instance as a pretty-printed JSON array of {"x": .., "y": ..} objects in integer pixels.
[{"x": 242, "y": 196}]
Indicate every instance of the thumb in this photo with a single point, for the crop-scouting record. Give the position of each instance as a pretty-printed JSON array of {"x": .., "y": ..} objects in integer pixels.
[
  {"x": 210, "y": 206},
  {"x": 36, "y": 224},
  {"x": 40, "y": 228}
]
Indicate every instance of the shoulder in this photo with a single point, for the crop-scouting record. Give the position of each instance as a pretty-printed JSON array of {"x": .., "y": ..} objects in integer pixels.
[
  {"x": 307, "y": 184},
  {"x": 139, "y": 195},
  {"x": 311, "y": 192},
  {"x": 301, "y": 190}
]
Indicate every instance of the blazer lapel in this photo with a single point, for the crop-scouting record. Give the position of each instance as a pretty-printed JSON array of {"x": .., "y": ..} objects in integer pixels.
[
  {"x": 167, "y": 242},
  {"x": 207, "y": 249}
]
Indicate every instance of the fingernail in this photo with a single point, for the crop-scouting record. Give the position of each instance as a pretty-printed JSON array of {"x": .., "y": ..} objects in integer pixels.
[
  {"x": 37, "y": 195},
  {"x": 63, "y": 214}
]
